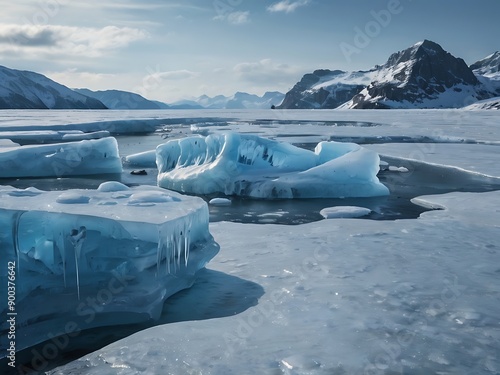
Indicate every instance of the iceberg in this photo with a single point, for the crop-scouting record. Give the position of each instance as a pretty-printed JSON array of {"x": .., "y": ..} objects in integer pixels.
[
  {"x": 251, "y": 166},
  {"x": 98, "y": 257},
  {"x": 61, "y": 159}
]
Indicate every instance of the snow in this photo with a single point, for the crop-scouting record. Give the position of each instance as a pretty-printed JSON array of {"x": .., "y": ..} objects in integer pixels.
[
  {"x": 61, "y": 159},
  {"x": 404, "y": 296},
  {"x": 493, "y": 103},
  {"x": 71, "y": 251},
  {"x": 344, "y": 212},
  {"x": 247, "y": 165}
]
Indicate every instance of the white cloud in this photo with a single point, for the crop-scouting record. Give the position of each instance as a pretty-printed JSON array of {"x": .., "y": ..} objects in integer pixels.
[
  {"x": 287, "y": 6},
  {"x": 173, "y": 75},
  {"x": 66, "y": 40},
  {"x": 74, "y": 78},
  {"x": 267, "y": 72},
  {"x": 234, "y": 18}
]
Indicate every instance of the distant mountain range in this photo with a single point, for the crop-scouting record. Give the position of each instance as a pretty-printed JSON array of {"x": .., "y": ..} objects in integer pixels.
[
  {"x": 29, "y": 90},
  {"x": 240, "y": 100},
  {"x": 422, "y": 76}
]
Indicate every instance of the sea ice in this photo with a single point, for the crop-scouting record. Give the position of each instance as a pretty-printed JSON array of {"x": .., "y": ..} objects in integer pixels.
[
  {"x": 220, "y": 202},
  {"x": 51, "y": 136},
  {"x": 344, "y": 212},
  {"x": 61, "y": 159},
  {"x": 382, "y": 297},
  {"x": 98, "y": 257},
  {"x": 248, "y": 165}
]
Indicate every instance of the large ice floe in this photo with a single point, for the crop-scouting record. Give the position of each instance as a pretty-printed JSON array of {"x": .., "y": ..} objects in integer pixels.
[
  {"x": 98, "y": 257},
  {"x": 61, "y": 159},
  {"x": 248, "y": 165}
]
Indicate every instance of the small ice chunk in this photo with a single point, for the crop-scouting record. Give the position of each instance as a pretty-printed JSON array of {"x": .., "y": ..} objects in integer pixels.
[
  {"x": 110, "y": 186},
  {"x": 220, "y": 202},
  {"x": 72, "y": 198},
  {"x": 146, "y": 159},
  {"x": 344, "y": 212},
  {"x": 392, "y": 168}
]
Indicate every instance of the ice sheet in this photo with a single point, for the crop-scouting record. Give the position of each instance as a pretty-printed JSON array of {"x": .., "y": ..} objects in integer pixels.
[{"x": 407, "y": 296}]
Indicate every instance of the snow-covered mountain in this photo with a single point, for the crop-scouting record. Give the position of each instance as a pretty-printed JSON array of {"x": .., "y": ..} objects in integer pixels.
[
  {"x": 29, "y": 90},
  {"x": 325, "y": 89},
  {"x": 240, "y": 100},
  {"x": 422, "y": 76},
  {"x": 489, "y": 66},
  {"x": 487, "y": 72},
  {"x": 493, "y": 103},
  {"x": 116, "y": 99}
]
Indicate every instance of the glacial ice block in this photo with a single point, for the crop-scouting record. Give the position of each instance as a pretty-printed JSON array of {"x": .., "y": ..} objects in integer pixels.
[
  {"x": 61, "y": 159},
  {"x": 248, "y": 165},
  {"x": 98, "y": 257}
]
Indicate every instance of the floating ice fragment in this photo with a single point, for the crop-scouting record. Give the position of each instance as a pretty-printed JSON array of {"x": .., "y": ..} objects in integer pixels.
[
  {"x": 220, "y": 202},
  {"x": 127, "y": 257},
  {"x": 344, "y": 212},
  {"x": 398, "y": 169},
  {"x": 63, "y": 159},
  {"x": 247, "y": 165}
]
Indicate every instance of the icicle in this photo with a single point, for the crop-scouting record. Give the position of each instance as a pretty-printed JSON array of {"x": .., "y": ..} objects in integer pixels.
[
  {"x": 168, "y": 255},
  {"x": 186, "y": 245},
  {"x": 179, "y": 249},
  {"x": 59, "y": 245},
  {"x": 159, "y": 251},
  {"x": 77, "y": 239}
]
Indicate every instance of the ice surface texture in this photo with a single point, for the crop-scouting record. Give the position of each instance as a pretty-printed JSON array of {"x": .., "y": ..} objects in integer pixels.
[
  {"x": 248, "y": 165},
  {"x": 98, "y": 257},
  {"x": 61, "y": 159}
]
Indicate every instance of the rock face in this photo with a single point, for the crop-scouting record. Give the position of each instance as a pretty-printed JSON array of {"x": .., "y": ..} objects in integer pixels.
[
  {"x": 487, "y": 71},
  {"x": 116, "y": 99},
  {"x": 422, "y": 76},
  {"x": 29, "y": 90},
  {"x": 322, "y": 89},
  {"x": 489, "y": 66}
]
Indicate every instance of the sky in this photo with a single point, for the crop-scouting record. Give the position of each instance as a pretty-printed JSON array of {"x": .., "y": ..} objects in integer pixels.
[{"x": 172, "y": 50}]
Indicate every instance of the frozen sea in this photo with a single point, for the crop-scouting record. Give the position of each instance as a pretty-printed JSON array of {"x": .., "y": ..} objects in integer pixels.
[{"x": 411, "y": 288}]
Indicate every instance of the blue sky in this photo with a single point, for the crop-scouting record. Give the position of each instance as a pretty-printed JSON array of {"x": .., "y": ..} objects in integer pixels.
[{"x": 167, "y": 50}]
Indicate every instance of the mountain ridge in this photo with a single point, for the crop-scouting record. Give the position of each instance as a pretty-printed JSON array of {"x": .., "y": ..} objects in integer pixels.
[
  {"x": 22, "y": 89},
  {"x": 421, "y": 76}
]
